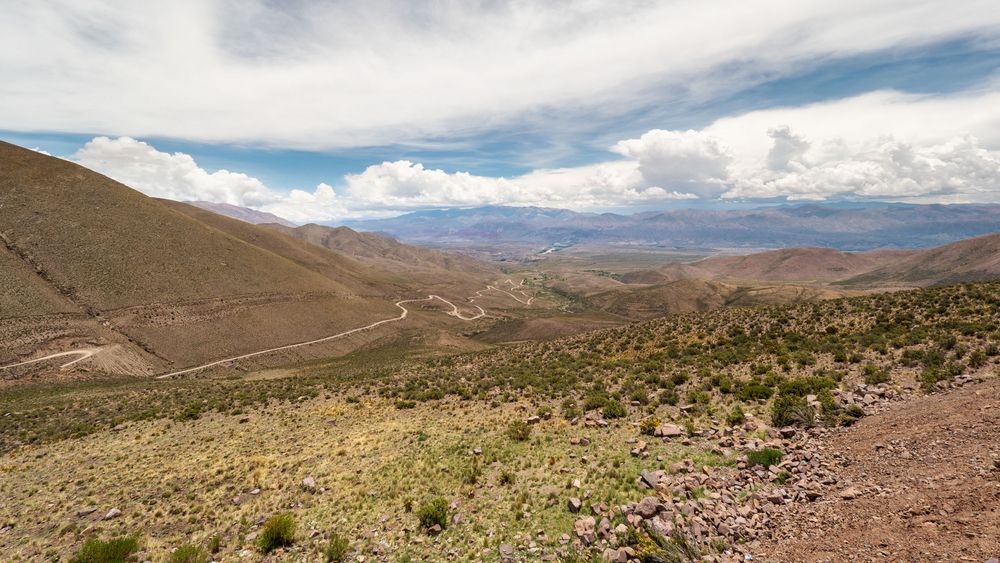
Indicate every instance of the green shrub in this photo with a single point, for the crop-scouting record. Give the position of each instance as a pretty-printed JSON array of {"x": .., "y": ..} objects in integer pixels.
[
  {"x": 506, "y": 478},
  {"x": 215, "y": 544},
  {"x": 570, "y": 410},
  {"x": 736, "y": 416},
  {"x": 764, "y": 457},
  {"x": 669, "y": 396},
  {"x": 649, "y": 425},
  {"x": 792, "y": 411},
  {"x": 189, "y": 554},
  {"x": 519, "y": 431},
  {"x": 402, "y": 404},
  {"x": 851, "y": 415},
  {"x": 875, "y": 375},
  {"x": 434, "y": 511},
  {"x": 336, "y": 549},
  {"x": 117, "y": 550},
  {"x": 613, "y": 409},
  {"x": 278, "y": 531}
]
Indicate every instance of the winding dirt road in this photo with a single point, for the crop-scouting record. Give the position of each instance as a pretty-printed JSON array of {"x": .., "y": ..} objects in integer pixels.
[{"x": 85, "y": 353}]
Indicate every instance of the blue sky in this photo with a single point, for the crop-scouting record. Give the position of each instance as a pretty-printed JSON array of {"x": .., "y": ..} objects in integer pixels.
[{"x": 592, "y": 107}]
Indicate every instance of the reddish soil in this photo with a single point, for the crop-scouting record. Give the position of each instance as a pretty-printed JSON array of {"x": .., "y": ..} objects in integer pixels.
[{"x": 927, "y": 473}]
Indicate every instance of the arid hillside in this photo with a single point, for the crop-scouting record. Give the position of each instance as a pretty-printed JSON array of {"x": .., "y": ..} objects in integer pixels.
[
  {"x": 974, "y": 259},
  {"x": 89, "y": 262}
]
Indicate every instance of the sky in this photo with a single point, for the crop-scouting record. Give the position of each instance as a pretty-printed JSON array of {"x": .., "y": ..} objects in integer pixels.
[{"x": 329, "y": 110}]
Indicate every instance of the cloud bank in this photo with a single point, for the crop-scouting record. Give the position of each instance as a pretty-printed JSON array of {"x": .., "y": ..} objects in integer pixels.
[{"x": 859, "y": 148}]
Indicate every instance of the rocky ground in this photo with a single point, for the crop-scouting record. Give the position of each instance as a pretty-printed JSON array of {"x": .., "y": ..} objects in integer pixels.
[{"x": 916, "y": 480}]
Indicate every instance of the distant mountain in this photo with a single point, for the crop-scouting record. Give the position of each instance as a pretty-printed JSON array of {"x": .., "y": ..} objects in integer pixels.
[
  {"x": 242, "y": 213},
  {"x": 385, "y": 251},
  {"x": 853, "y": 228}
]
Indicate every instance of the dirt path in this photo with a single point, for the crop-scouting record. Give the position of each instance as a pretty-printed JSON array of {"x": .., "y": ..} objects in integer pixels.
[
  {"x": 84, "y": 353},
  {"x": 928, "y": 474}
]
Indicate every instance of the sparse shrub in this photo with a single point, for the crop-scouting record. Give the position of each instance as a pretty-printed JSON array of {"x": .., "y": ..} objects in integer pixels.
[
  {"x": 764, "y": 457},
  {"x": 189, "y": 554},
  {"x": 875, "y": 375},
  {"x": 595, "y": 401},
  {"x": 408, "y": 504},
  {"x": 649, "y": 425},
  {"x": 471, "y": 474},
  {"x": 789, "y": 410},
  {"x": 570, "y": 410},
  {"x": 403, "y": 404},
  {"x": 519, "y": 431},
  {"x": 669, "y": 396},
  {"x": 613, "y": 409},
  {"x": 736, "y": 416},
  {"x": 215, "y": 544},
  {"x": 544, "y": 411},
  {"x": 434, "y": 511},
  {"x": 278, "y": 531},
  {"x": 977, "y": 359},
  {"x": 506, "y": 478},
  {"x": 336, "y": 549},
  {"x": 117, "y": 550},
  {"x": 851, "y": 415}
]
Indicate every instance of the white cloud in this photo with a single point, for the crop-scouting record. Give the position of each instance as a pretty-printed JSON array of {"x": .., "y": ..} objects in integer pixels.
[
  {"x": 177, "y": 176},
  {"x": 689, "y": 160},
  {"x": 883, "y": 145},
  {"x": 332, "y": 74}
]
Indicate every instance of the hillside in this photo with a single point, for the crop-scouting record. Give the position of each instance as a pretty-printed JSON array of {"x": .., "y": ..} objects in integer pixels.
[
  {"x": 379, "y": 249},
  {"x": 974, "y": 259},
  {"x": 175, "y": 285},
  {"x": 242, "y": 213}
]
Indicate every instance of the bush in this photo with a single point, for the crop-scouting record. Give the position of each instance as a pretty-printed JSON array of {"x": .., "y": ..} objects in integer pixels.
[
  {"x": 215, "y": 544},
  {"x": 736, "y": 416},
  {"x": 649, "y": 425},
  {"x": 117, "y": 550},
  {"x": 189, "y": 554},
  {"x": 613, "y": 409},
  {"x": 792, "y": 411},
  {"x": 434, "y": 511},
  {"x": 506, "y": 478},
  {"x": 402, "y": 404},
  {"x": 570, "y": 410},
  {"x": 851, "y": 415},
  {"x": 278, "y": 531},
  {"x": 875, "y": 375},
  {"x": 519, "y": 431},
  {"x": 764, "y": 457},
  {"x": 337, "y": 548}
]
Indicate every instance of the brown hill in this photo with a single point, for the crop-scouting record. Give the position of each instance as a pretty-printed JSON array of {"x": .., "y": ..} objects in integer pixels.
[
  {"x": 177, "y": 285},
  {"x": 241, "y": 213},
  {"x": 798, "y": 264},
  {"x": 384, "y": 250},
  {"x": 974, "y": 259}
]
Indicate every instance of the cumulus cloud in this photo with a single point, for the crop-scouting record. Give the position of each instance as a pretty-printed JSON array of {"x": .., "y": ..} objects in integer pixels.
[
  {"x": 690, "y": 161},
  {"x": 177, "y": 176},
  {"x": 321, "y": 74}
]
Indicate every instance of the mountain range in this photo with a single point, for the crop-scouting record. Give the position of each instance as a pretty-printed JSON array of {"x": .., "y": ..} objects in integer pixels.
[{"x": 854, "y": 228}]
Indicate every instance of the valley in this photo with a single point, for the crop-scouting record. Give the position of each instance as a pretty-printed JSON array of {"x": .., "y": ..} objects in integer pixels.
[{"x": 177, "y": 378}]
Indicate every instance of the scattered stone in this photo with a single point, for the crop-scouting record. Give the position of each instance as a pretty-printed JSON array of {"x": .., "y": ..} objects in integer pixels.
[
  {"x": 534, "y": 419},
  {"x": 309, "y": 484},
  {"x": 574, "y": 504},
  {"x": 850, "y": 493},
  {"x": 113, "y": 513}
]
